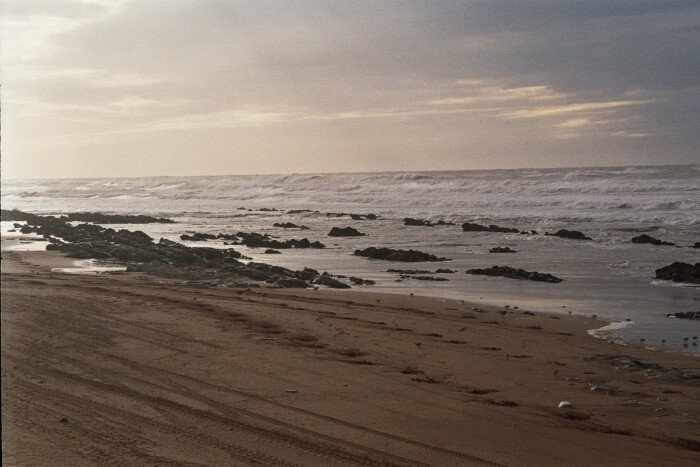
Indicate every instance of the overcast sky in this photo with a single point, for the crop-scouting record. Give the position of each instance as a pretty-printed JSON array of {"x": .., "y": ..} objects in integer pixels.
[{"x": 189, "y": 87}]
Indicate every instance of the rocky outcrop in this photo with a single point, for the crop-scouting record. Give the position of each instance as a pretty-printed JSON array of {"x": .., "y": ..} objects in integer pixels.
[
  {"x": 198, "y": 237},
  {"x": 360, "y": 281},
  {"x": 328, "y": 281},
  {"x": 99, "y": 218},
  {"x": 513, "y": 273},
  {"x": 270, "y": 251},
  {"x": 424, "y": 223},
  {"x": 289, "y": 225},
  {"x": 696, "y": 245},
  {"x": 421, "y": 271},
  {"x": 390, "y": 254},
  {"x": 570, "y": 234},
  {"x": 648, "y": 239},
  {"x": 258, "y": 240},
  {"x": 685, "y": 315},
  {"x": 501, "y": 249},
  {"x": 214, "y": 266},
  {"x": 345, "y": 232},
  {"x": 680, "y": 272},
  {"x": 93, "y": 217},
  {"x": 471, "y": 227}
]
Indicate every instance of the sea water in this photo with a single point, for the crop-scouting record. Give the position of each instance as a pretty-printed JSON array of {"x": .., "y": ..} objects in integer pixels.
[{"x": 608, "y": 276}]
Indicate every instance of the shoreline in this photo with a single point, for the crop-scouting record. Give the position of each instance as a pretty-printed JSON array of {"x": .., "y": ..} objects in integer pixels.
[{"x": 141, "y": 369}]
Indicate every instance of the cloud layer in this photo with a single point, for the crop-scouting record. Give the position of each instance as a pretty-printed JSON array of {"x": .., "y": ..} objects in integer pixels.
[{"x": 100, "y": 88}]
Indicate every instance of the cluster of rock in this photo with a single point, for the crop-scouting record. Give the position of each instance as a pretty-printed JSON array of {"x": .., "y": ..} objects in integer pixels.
[
  {"x": 421, "y": 271},
  {"x": 254, "y": 240},
  {"x": 513, "y": 273},
  {"x": 501, "y": 249},
  {"x": 648, "y": 239},
  {"x": 424, "y": 222},
  {"x": 424, "y": 278},
  {"x": 345, "y": 232},
  {"x": 680, "y": 272},
  {"x": 390, "y": 254},
  {"x": 685, "y": 315},
  {"x": 570, "y": 234},
  {"x": 289, "y": 225},
  {"x": 165, "y": 258},
  {"x": 94, "y": 217},
  {"x": 99, "y": 218},
  {"x": 472, "y": 227},
  {"x": 355, "y": 217}
]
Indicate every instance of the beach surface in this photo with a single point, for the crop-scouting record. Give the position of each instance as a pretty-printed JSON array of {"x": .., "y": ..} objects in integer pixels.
[{"x": 132, "y": 369}]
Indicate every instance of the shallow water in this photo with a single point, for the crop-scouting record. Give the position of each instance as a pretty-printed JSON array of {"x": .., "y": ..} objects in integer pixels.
[{"x": 607, "y": 276}]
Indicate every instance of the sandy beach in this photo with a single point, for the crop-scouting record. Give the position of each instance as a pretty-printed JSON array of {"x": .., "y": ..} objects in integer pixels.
[{"x": 132, "y": 369}]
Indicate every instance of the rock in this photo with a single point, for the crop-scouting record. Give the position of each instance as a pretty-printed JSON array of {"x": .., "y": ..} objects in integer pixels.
[
  {"x": 426, "y": 278},
  {"x": 570, "y": 234},
  {"x": 390, "y": 254},
  {"x": 270, "y": 251},
  {"x": 644, "y": 238},
  {"x": 291, "y": 283},
  {"x": 198, "y": 237},
  {"x": 355, "y": 217},
  {"x": 359, "y": 281},
  {"x": 444, "y": 271},
  {"x": 257, "y": 240},
  {"x": 513, "y": 273},
  {"x": 424, "y": 223},
  {"x": 289, "y": 225},
  {"x": 410, "y": 271},
  {"x": 98, "y": 218},
  {"x": 696, "y": 245},
  {"x": 680, "y": 272},
  {"x": 566, "y": 405},
  {"x": 471, "y": 227},
  {"x": 685, "y": 315},
  {"x": 307, "y": 274},
  {"x": 500, "y": 249},
  {"x": 344, "y": 232},
  {"x": 328, "y": 281}
]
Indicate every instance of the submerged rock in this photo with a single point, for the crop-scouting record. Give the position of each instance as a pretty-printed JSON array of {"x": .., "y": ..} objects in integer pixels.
[
  {"x": 99, "y": 218},
  {"x": 680, "y": 272},
  {"x": 644, "y": 238},
  {"x": 198, "y": 237},
  {"x": 471, "y": 227},
  {"x": 424, "y": 223},
  {"x": 345, "y": 232},
  {"x": 570, "y": 234},
  {"x": 390, "y": 254},
  {"x": 289, "y": 225},
  {"x": 513, "y": 273},
  {"x": 685, "y": 315},
  {"x": 328, "y": 281},
  {"x": 501, "y": 249},
  {"x": 270, "y": 251},
  {"x": 360, "y": 281}
]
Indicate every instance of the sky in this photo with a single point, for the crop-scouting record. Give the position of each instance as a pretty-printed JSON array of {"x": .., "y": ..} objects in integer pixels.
[{"x": 113, "y": 88}]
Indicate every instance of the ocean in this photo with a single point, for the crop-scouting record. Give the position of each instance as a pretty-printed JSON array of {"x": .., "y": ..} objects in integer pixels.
[{"x": 608, "y": 276}]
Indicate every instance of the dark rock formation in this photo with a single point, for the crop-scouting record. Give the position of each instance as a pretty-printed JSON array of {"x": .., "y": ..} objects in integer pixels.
[
  {"x": 425, "y": 278},
  {"x": 360, "y": 281},
  {"x": 355, "y": 217},
  {"x": 444, "y": 271},
  {"x": 289, "y": 225},
  {"x": 696, "y": 245},
  {"x": 513, "y": 273},
  {"x": 680, "y": 272},
  {"x": 685, "y": 315},
  {"x": 570, "y": 234},
  {"x": 198, "y": 237},
  {"x": 99, "y": 218},
  {"x": 94, "y": 217},
  {"x": 501, "y": 249},
  {"x": 258, "y": 240},
  {"x": 424, "y": 223},
  {"x": 328, "y": 281},
  {"x": 270, "y": 251},
  {"x": 644, "y": 238},
  {"x": 213, "y": 266},
  {"x": 471, "y": 227},
  {"x": 390, "y": 254},
  {"x": 344, "y": 232}
]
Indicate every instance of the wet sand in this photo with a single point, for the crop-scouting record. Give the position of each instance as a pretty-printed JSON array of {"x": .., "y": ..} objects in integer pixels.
[{"x": 130, "y": 369}]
